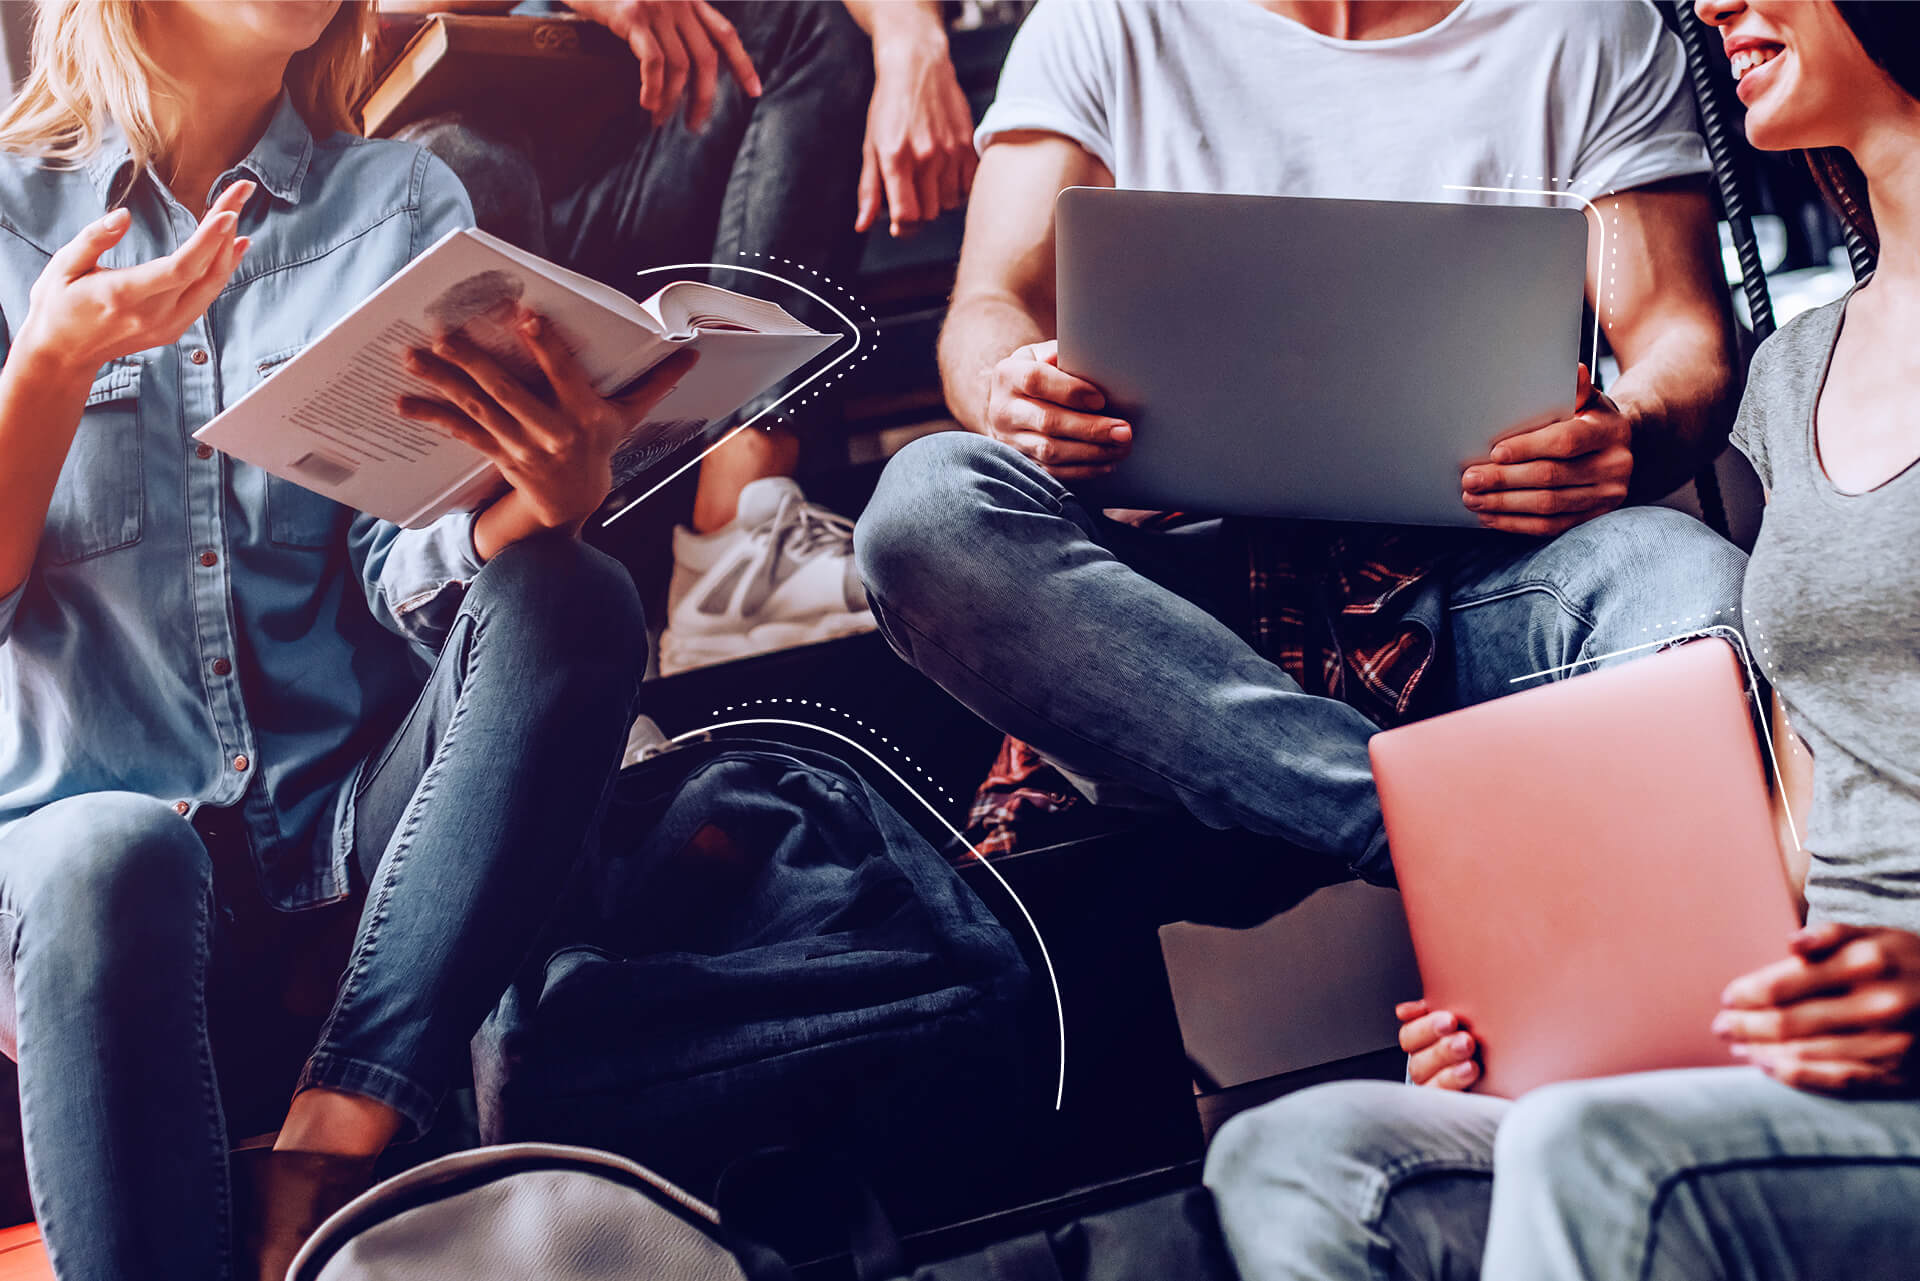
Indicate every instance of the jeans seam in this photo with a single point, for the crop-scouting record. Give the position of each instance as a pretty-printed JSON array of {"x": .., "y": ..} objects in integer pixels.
[
  {"x": 1388, "y": 1179},
  {"x": 1663, "y": 1192},
  {"x": 1518, "y": 589},
  {"x": 379, "y": 909}
]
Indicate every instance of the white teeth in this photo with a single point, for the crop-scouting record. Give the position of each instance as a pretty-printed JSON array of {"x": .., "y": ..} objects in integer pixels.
[{"x": 1747, "y": 59}]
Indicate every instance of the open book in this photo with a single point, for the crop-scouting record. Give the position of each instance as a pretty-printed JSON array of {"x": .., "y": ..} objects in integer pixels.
[{"x": 327, "y": 420}]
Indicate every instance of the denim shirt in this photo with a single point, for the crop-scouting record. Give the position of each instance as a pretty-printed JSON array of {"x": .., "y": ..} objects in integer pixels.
[{"x": 194, "y": 629}]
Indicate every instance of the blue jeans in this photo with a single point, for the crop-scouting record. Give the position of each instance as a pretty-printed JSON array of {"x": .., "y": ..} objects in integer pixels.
[
  {"x": 1706, "y": 1174},
  {"x": 1103, "y": 647},
  {"x": 113, "y": 929},
  {"x": 772, "y": 177}
]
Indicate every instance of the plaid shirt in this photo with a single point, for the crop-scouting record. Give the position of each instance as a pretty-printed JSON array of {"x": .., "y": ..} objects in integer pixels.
[{"x": 1326, "y": 605}]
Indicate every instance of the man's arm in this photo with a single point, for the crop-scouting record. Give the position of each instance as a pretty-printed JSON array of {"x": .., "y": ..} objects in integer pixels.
[
  {"x": 1659, "y": 296},
  {"x": 1670, "y": 330},
  {"x": 1003, "y": 294}
]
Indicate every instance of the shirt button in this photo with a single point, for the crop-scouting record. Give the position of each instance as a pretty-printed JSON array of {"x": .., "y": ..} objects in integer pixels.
[
  {"x": 181, "y": 808},
  {"x": 199, "y": 356},
  {"x": 240, "y": 764},
  {"x": 221, "y": 667},
  {"x": 209, "y": 559},
  {"x": 203, "y": 451}
]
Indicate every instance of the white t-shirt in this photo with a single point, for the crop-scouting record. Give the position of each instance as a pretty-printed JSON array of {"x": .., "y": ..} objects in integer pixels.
[{"x": 1223, "y": 95}]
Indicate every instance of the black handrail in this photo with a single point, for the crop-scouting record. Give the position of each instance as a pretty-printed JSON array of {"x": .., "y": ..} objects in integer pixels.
[{"x": 1720, "y": 127}]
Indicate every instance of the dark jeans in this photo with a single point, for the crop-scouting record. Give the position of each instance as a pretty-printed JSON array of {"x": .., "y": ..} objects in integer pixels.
[
  {"x": 114, "y": 931},
  {"x": 773, "y": 177}
]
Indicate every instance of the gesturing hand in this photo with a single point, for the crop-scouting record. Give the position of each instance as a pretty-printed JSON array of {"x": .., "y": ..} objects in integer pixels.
[
  {"x": 554, "y": 444},
  {"x": 1052, "y": 417},
  {"x": 1839, "y": 1015},
  {"x": 1440, "y": 1052},
  {"x": 81, "y": 315},
  {"x": 1548, "y": 480},
  {"x": 679, "y": 45},
  {"x": 918, "y": 155}
]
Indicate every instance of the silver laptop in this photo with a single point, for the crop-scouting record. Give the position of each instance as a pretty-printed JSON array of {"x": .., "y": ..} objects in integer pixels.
[{"x": 1337, "y": 359}]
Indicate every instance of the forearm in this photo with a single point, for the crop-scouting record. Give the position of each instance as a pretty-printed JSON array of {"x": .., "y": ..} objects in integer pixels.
[
  {"x": 40, "y": 407},
  {"x": 506, "y": 521},
  {"x": 890, "y": 21},
  {"x": 447, "y": 6},
  {"x": 980, "y": 332},
  {"x": 1679, "y": 397}
]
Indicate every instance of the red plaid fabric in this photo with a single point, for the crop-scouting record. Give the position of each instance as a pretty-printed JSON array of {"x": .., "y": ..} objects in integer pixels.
[{"x": 1322, "y": 603}]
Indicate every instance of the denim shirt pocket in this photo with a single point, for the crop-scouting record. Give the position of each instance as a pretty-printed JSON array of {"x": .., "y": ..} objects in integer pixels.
[
  {"x": 100, "y": 501},
  {"x": 296, "y": 516}
]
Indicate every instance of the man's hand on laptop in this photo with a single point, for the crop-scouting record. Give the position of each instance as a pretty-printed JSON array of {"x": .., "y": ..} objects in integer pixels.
[
  {"x": 1053, "y": 417},
  {"x": 1548, "y": 480},
  {"x": 1840, "y": 1015},
  {"x": 1439, "y": 1051}
]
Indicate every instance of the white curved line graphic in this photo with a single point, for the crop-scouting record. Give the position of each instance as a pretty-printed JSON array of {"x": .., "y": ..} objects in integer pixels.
[
  {"x": 1059, "y": 1006},
  {"x": 859, "y": 340}
]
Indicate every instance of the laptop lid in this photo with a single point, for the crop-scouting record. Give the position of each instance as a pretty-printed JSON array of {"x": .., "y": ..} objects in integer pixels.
[
  {"x": 1585, "y": 865},
  {"x": 1290, "y": 356}
]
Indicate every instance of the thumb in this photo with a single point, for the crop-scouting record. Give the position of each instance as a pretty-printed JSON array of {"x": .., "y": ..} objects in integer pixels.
[
  {"x": 82, "y": 254},
  {"x": 1582, "y": 386}
]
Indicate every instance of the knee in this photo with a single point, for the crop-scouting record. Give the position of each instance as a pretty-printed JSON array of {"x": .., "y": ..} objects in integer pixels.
[
  {"x": 127, "y": 881},
  {"x": 932, "y": 512},
  {"x": 1663, "y": 572},
  {"x": 565, "y": 603},
  {"x": 1551, "y": 1138},
  {"x": 1299, "y": 1143}
]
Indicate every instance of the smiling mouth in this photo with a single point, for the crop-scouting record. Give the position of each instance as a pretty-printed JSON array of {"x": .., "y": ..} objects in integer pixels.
[{"x": 1749, "y": 60}]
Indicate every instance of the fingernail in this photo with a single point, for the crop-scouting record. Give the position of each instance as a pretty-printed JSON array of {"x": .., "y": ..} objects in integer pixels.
[
  {"x": 1445, "y": 1022},
  {"x": 1471, "y": 500},
  {"x": 1739, "y": 1051},
  {"x": 1120, "y": 431},
  {"x": 1501, "y": 453},
  {"x": 530, "y": 323},
  {"x": 117, "y": 218},
  {"x": 1473, "y": 478},
  {"x": 1722, "y": 1024},
  {"x": 1460, "y": 1042}
]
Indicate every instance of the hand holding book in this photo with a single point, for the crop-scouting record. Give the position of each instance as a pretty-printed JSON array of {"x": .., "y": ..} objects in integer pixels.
[{"x": 553, "y": 444}]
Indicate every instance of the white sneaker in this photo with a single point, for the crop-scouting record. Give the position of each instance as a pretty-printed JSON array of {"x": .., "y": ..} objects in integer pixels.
[{"x": 781, "y": 574}]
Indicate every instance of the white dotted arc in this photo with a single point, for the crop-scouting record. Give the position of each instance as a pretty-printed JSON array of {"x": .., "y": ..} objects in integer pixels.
[
  {"x": 895, "y": 748},
  {"x": 851, "y": 297}
]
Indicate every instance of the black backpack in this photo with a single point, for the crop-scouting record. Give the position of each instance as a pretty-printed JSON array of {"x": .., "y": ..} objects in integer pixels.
[{"x": 764, "y": 953}]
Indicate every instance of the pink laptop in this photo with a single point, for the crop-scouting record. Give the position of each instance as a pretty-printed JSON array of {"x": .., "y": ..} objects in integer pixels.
[{"x": 1585, "y": 865}]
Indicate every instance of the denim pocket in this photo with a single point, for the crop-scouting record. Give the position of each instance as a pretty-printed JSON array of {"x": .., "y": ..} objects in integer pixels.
[
  {"x": 100, "y": 501},
  {"x": 296, "y": 516}
]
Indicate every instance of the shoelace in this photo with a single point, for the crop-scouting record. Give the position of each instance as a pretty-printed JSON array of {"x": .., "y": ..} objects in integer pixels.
[{"x": 804, "y": 531}]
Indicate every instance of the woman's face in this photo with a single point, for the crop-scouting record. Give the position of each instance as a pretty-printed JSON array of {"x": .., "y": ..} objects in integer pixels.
[
  {"x": 1801, "y": 73},
  {"x": 265, "y": 28}
]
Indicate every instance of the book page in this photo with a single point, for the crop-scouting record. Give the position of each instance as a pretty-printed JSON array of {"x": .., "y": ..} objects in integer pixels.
[{"x": 329, "y": 418}]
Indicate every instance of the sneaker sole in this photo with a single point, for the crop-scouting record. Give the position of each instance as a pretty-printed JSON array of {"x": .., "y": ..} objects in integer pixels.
[{"x": 680, "y": 653}]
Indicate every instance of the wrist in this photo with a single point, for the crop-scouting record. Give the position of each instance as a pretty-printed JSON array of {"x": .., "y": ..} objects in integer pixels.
[
  {"x": 53, "y": 369},
  {"x": 907, "y": 33}
]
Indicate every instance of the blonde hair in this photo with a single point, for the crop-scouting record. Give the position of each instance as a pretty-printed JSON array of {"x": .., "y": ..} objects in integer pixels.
[{"x": 91, "y": 64}]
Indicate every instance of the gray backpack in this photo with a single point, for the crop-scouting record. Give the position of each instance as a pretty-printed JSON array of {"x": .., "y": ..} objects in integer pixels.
[{"x": 530, "y": 1212}]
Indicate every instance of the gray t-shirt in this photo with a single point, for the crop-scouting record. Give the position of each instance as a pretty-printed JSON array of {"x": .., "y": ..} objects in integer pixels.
[
  {"x": 1582, "y": 98},
  {"x": 1831, "y": 601}
]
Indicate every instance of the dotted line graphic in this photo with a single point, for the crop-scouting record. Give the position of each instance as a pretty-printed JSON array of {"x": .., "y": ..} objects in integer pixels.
[
  {"x": 872, "y": 329},
  {"x": 860, "y": 341},
  {"x": 874, "y": 731}
]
